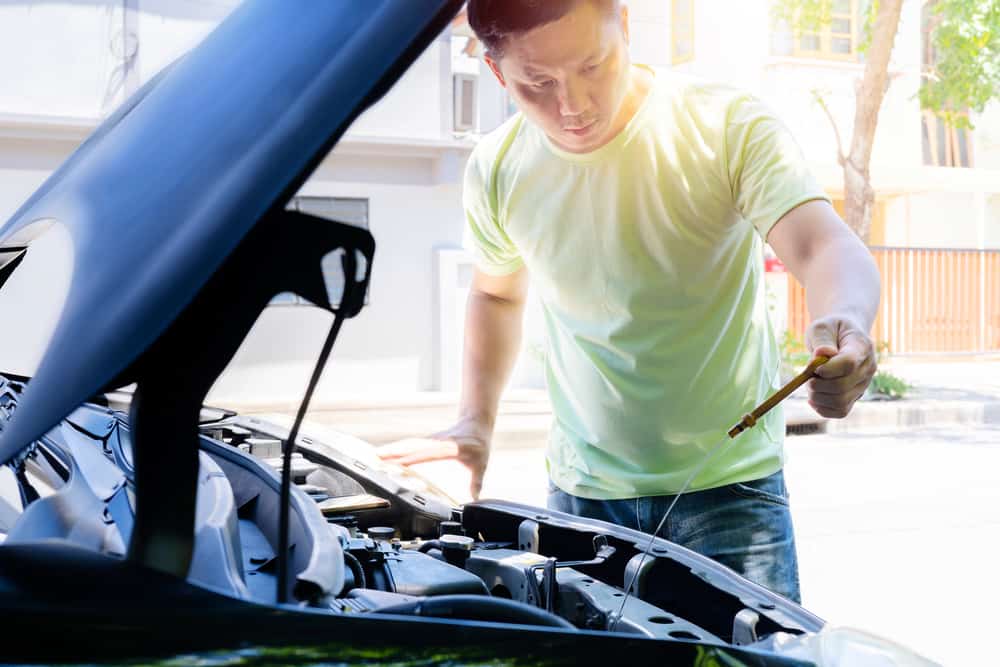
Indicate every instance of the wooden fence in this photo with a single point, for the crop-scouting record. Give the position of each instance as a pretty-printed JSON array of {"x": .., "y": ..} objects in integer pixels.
[{"x": 933, "y": 301}]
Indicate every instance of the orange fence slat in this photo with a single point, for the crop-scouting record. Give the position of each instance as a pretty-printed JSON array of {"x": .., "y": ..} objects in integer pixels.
[
  {"x": 933, "y": 301},
  {"x": 991, "y": 301}
]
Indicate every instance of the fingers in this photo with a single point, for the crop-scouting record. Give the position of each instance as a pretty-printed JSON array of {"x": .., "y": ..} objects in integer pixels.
[
  {"x": 418, "y": 450},
  {"x": 835, "y": 397},
  {"x": 476, "y": 485},
  {"x": 823, "y": 337},
  {"x": 838, "y": 404},
  {"x": 853, "y": 374},
  {"x": 842, "y": 380},
  {"x": 464, "y": 444}
]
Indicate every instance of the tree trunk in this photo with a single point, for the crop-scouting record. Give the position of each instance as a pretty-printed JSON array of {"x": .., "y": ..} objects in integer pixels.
[{"x": 859, "y": 197}]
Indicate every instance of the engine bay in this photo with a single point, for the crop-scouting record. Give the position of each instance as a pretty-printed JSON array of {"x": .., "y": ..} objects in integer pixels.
[{"x": 370, "y": 538}]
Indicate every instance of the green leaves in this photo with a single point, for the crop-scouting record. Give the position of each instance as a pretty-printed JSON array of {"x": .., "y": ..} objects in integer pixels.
[
  {"x": 964, "y": 72},
  {"x": 889, "y": 386},
  {"x": 794, "y": 356},
  {"x": 803, "y": 15},
  {"x": 811, "y": 16}
]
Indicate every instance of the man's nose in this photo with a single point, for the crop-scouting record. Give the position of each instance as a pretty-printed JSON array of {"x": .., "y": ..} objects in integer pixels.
[{"x": 572, "y": 98}]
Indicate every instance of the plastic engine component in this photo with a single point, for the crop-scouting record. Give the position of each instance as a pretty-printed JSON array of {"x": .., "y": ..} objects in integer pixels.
[{"x": 414, "y": 573}]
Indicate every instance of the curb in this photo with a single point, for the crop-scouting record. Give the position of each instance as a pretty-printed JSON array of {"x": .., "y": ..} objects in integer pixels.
[
  {"x": 525, "y": 417},
  {"x": 909, "y": 414},
  {"x": 887, "y": 415}
]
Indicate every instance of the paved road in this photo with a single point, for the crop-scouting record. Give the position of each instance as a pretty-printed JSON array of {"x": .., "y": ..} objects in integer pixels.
[{"x": 898, "y": 534}]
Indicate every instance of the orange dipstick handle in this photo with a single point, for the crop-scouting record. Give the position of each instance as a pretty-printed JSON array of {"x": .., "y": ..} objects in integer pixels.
[{"x": 750, "y": 420}]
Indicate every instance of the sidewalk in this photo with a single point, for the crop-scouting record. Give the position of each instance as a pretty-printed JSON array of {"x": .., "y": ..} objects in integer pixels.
[
  {"x": 954, "y": 391},
  {"x": 947, "y": 391}
]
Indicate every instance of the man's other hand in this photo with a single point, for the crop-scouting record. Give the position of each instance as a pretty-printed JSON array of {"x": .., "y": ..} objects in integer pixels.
[
  {"x": 467, "y": 442},
  {"x": 842, "y": 380}
]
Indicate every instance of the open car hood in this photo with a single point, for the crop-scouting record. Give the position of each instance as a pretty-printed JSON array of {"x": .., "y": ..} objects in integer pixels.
[{"x": 139, "y": 218}]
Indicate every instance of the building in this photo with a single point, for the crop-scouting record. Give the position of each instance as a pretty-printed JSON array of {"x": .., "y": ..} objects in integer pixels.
[
  {"x": 65, "y": 65},
  {"x": 936, "y": 225}
]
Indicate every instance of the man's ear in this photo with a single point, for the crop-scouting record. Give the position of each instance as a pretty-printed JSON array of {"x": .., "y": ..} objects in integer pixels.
[{"x": 495, "y": 68}]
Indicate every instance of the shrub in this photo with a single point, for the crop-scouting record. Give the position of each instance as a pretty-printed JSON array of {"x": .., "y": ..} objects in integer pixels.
[
  {"x": 888, "y": 385},
  {"x": 794, "y": 356},
  {"x": 885, "y": 384}
]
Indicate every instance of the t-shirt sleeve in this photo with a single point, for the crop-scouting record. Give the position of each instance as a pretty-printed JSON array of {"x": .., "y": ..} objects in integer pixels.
[
  {"x": 492, "y": 249},
  {"x": 767, "y": 170}
]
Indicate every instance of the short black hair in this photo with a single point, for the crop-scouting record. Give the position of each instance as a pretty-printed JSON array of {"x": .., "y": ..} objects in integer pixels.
[{"x": 494, "y": 21}]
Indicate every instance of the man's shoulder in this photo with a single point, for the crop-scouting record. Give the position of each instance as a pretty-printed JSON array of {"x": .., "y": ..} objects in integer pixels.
[
  {"x": 694, "y": 95},
  {"x": 482, "y": 172},
  {"x": 494, "y": 144}
]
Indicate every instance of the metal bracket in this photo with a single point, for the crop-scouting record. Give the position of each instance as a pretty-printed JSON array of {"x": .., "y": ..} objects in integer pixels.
[
  {"x": 745, "y": 627},
  {"x": 527, "y": 536},
  {"x": 637, "y": 571}
]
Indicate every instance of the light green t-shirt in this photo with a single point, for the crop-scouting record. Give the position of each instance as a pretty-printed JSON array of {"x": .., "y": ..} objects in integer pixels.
[{"x": 647, "y": 257}]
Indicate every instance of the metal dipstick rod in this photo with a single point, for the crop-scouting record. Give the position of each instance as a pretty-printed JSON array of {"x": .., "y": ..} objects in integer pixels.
[{"x": 750, "y": 420}]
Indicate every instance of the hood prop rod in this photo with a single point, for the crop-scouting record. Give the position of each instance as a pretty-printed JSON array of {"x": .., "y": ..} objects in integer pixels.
[{"x": 288, "y": 448}]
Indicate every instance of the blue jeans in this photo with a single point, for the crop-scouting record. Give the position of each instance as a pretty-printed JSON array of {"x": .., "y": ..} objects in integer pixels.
[{"x": 747, "y": 526}]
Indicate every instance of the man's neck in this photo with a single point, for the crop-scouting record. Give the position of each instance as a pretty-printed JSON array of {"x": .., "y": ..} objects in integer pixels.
[{"x": 640, "y": 81}]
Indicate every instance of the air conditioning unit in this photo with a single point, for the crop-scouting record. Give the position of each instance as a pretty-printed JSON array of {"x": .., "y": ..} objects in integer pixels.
[{"x": 466, "y": 95}]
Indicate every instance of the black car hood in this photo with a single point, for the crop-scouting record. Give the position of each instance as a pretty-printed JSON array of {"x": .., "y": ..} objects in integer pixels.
[{"x": 152, "y": 203}]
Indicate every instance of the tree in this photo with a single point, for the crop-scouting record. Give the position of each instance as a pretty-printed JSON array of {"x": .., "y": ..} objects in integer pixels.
[
  {"x": 962, "y": 75},
  {"x": 963, "y": 72}
]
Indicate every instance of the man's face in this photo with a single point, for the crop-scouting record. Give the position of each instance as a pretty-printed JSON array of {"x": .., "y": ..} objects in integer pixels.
[{"x": 570, "y": 76}]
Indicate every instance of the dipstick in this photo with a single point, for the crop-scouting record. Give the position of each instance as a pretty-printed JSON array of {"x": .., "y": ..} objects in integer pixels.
[{"x": 750, "y": 420}]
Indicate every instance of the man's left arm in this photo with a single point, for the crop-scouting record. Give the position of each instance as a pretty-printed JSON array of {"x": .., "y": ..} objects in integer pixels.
[{"x": 842, "y": 293}]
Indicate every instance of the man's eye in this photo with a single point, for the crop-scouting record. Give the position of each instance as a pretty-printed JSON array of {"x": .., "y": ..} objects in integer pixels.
[
  {"x": 541, "y": 85},
  {"x": 591, "y": 68}
]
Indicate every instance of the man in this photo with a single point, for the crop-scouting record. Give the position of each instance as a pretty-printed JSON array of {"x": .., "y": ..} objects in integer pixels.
[{"x": 639, "y": 202}]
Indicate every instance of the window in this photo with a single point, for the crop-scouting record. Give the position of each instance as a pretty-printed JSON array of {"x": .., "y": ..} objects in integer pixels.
[
  {"x": 944, "y": 145},
  {"x": 350, "y": 211},
  {"x": 466, "y": 92},
  {"x": 681, "y": 31},
  {"x": 837, "y": 40}
]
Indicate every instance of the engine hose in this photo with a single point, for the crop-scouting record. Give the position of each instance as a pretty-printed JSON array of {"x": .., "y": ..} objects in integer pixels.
[
  {"x": 430, "y": 544},
  {"x": 356, "y": 570},
  {"x": 478, "y": 608}
]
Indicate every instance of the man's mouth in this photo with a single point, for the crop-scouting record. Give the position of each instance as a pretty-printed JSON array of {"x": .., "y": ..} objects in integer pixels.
[{"x": 581, "y": 130}]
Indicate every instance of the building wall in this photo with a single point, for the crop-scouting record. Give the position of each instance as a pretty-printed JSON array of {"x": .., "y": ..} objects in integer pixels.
[
  {"x": 414, "y": 200},
  {"x": 55, "y": 57},
  {"x": 941, "y": 220},
  {"x": 745, "y": 50},
  {"x": 24, "y": 165},
  {"x": 391, "y": 347},
  {"x": 987, "y": 138},
  {"x": 992, "y": 228},
  {"x": 67, "y": 64}
]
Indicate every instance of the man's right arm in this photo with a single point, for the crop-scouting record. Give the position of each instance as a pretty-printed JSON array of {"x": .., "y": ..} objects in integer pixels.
[{"x": 493, "y": 321}]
